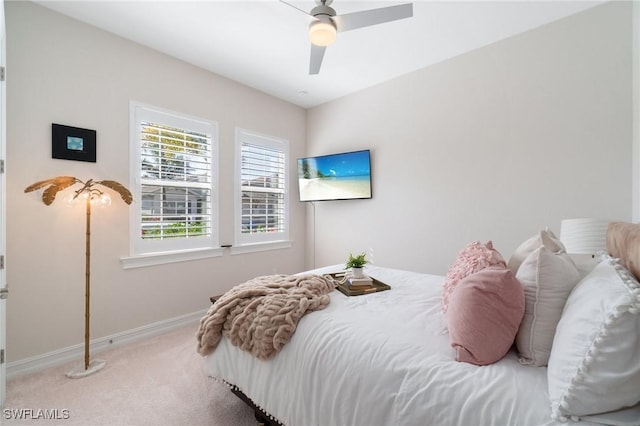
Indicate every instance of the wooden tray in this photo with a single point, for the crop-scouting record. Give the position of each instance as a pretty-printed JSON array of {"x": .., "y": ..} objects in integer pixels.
[{"x": 345, "y": 289}]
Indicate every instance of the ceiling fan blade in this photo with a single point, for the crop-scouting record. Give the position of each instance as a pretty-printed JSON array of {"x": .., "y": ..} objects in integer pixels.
[
  {"x": 295, "y": 7},
  {"x": 365, "y": 18},
  {"x": 317, "y": 53}
]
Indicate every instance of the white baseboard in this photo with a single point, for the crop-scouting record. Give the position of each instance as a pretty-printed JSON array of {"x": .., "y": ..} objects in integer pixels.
[{"x": 36, "y": 363}]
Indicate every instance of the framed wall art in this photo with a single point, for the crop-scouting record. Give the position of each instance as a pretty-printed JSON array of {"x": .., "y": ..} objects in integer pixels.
[{"x": 73, "y": 143}]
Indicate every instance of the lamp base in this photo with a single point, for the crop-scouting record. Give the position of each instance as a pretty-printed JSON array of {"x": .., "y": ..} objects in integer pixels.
[{"x": 80, "y": 372}]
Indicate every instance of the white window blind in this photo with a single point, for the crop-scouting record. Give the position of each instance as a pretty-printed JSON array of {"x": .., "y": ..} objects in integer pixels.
[
  {"x": 263, "y": 202},
  {"x": 175, "y": 169},
  {"x": 175, "y": 182}
]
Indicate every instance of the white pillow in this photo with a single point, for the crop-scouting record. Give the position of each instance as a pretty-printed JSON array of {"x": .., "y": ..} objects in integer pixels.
[
  {"x": 543, "y": 237},
  {"x": 594, "y": 365},
  {"x": 547, "y": 275},
  {"x": 584, "y": 262}
]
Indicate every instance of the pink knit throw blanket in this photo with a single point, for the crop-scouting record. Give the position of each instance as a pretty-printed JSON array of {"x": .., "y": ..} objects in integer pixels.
[{"x": 260, "y": 315}]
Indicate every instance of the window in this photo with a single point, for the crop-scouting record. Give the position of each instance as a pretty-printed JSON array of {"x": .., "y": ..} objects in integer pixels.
[
  {"x": 174, "y": 166},
  {"x": 262, "y": 201}
]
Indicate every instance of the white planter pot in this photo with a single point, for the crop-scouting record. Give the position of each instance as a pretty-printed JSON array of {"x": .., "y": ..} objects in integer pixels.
[{"x": 357, "y": 272}]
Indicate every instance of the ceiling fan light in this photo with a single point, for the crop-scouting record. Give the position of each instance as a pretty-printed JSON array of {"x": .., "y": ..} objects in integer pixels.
[{"x": 322, "y": 33}]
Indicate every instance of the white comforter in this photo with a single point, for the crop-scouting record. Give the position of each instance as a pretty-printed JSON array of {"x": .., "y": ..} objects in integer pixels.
[{"x": 383, "y": 359}]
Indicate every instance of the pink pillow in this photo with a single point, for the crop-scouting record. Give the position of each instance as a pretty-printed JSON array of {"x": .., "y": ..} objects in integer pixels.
[
  {"x": 485, "y": 311},
  {"x": 473, "y": 258}
]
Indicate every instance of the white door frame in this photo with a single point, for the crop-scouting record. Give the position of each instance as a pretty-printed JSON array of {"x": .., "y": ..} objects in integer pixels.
[
  {"x": 3, "y": 209},
  {"x": 635, "y": 196}
]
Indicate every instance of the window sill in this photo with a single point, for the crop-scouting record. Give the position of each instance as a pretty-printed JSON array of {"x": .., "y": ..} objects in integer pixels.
[
  {"x": 254, "y": 247},
  {"x": 152, "y": 259}
]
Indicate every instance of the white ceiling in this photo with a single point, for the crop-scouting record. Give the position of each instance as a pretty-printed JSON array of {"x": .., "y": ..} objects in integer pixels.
[{"x": 263, "y": 43}]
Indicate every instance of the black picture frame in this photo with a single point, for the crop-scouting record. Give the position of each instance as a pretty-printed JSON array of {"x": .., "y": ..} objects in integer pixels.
[{"x": 73, "y": 143}]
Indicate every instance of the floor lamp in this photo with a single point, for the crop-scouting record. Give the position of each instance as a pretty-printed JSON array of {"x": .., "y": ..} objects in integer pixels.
[{"x": 91, "y": 195}]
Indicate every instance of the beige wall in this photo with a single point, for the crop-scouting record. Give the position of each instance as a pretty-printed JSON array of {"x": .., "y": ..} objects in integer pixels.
[
  {"x": 493, "y": 144},
  {"x": 62, "y": 71}
]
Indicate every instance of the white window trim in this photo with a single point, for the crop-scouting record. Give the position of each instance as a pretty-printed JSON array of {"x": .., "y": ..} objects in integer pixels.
[
  {"x": 151, "y": 259},
  {"x": 140, "y": 256},
  {"x": 256, "y": 242},
  {"x": 254, "y": 247}
]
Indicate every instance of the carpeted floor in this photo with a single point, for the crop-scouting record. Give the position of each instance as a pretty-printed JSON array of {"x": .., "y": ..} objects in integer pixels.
[{"x": 159, "y": 381}]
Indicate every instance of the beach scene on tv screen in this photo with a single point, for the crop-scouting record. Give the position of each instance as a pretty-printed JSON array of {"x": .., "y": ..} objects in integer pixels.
[{"x": 331, "y": 177}]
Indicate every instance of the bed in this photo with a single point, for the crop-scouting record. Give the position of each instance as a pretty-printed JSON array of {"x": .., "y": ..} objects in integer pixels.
[{"x": 386, "y": 358}]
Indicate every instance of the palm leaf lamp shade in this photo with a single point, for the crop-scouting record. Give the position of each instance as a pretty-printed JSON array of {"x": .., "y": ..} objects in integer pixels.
[{"x": 91, "y": 194}]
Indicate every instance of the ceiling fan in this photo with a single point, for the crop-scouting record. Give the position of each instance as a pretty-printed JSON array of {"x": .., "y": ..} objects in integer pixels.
[{"x": 326, "y": 23}]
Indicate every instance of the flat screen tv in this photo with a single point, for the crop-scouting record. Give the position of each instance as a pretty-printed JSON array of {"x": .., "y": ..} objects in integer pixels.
[{"x": 344, "y": 176}]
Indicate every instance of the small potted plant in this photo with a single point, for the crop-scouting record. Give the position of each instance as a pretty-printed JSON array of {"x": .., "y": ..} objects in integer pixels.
[{"x": 356, "y": 264}]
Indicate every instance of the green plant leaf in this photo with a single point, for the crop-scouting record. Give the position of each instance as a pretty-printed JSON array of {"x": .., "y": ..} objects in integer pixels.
[{"x": 356, "y": 261}]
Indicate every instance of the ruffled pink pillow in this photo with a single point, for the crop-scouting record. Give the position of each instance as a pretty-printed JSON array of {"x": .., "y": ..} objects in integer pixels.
[{"x": 471, "y": 259}]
